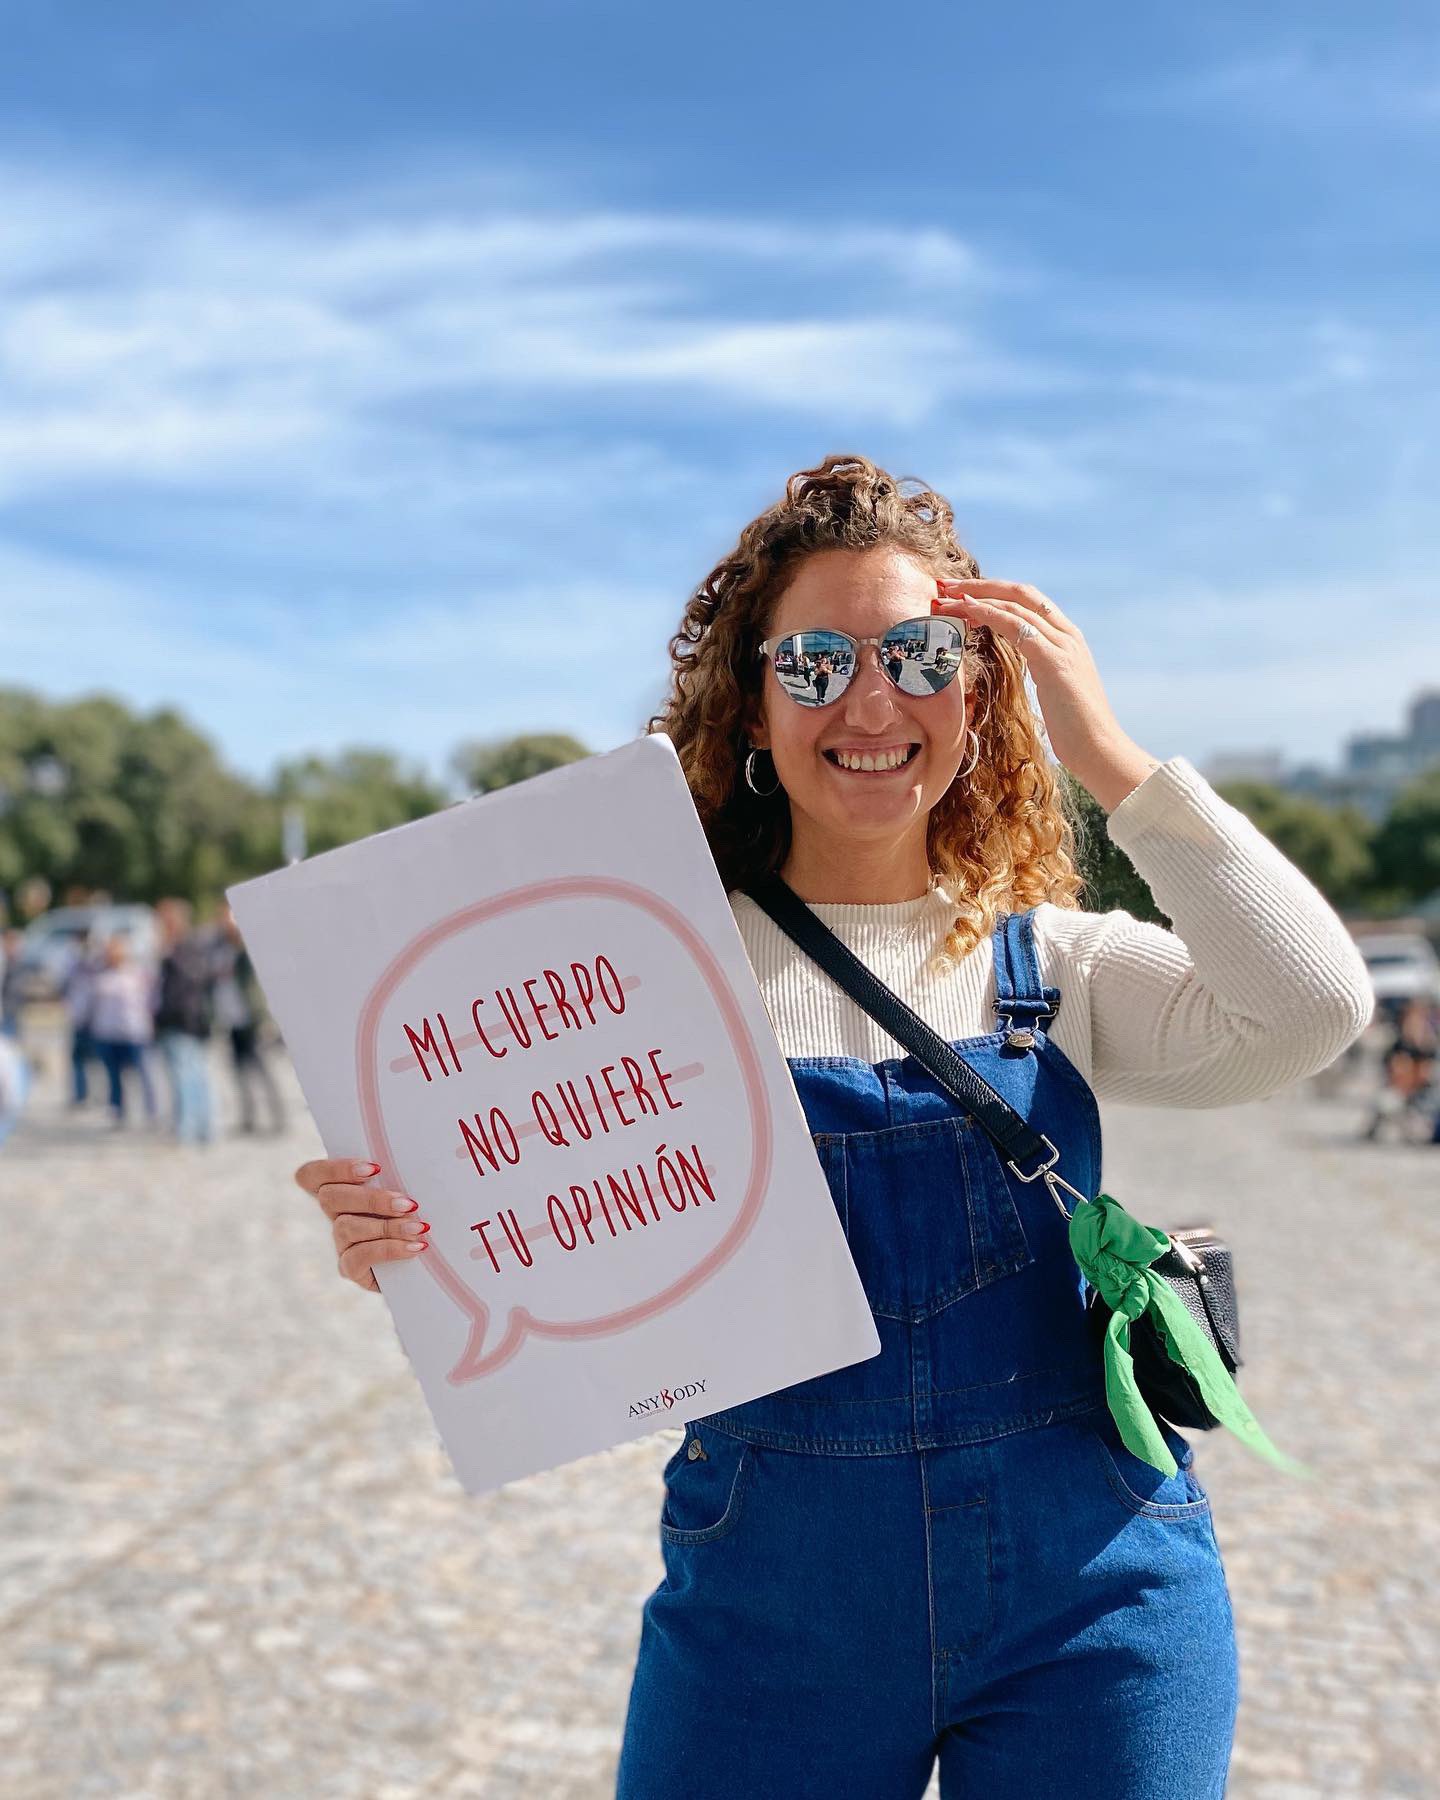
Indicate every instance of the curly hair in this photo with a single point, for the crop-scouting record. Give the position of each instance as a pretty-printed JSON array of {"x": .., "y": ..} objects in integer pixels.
[{"x": 1004, "y": 836}]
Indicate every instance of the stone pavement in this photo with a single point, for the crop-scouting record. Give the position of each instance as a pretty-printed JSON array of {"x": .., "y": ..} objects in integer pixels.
[{"x": 233, "y": 1560}]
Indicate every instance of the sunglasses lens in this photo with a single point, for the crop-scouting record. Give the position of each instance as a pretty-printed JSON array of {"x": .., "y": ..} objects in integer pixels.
[
  {"x": 814, "y": 667},
  {"x": 921, "y": 656}
]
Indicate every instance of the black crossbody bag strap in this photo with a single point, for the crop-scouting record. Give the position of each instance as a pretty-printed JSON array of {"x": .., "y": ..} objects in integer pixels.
[{"x": 1009, "y": 1130}]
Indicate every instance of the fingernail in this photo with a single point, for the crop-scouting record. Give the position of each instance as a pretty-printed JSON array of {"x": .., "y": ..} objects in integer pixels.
[
  {"x": 414, "y": 1228},
  {"x": 403, "y": 1203},
  {"x": 365, "y": 1170},
  {"x": 419, "y": 1244}
]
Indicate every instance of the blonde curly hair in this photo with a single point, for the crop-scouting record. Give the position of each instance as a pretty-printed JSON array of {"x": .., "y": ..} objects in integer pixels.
[{"x": 1003, "y": 837}]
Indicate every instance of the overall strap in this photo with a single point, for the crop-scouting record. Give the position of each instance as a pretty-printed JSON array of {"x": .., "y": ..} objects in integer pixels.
[{"x": 1022, "y": 1000}]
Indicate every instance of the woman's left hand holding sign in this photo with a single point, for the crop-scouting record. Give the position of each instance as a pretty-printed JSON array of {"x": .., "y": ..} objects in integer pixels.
[{"x": 370, "y": 1225}]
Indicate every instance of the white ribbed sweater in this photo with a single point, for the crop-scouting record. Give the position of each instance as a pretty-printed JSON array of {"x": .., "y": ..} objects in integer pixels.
[{"x": 1258, "y": 984}]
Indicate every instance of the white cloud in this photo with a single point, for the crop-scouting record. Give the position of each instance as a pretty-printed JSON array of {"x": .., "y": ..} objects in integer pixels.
[
  {"x": 1313, "y": 83},
  {"x": 154, "y": 335}
]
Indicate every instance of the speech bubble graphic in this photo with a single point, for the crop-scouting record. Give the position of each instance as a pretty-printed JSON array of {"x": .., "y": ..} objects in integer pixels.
[{"x": 371, "y": 1064}]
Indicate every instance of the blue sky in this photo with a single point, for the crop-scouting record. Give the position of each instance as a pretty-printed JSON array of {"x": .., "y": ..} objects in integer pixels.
[{"x": 340, "y": 345}]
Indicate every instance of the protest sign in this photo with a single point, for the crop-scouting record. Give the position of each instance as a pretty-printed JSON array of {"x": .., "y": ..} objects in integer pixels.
[{"x": 535, "y": 1012}]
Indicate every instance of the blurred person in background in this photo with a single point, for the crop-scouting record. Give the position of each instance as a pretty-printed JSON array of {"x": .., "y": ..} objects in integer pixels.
[
  {"x": 121, "y": 1024},
  {"x": 10, "y": 1001},
  {"x": 183, "y": 1017},
  {"x": 1407, "y": 1092},
  {"x": 14, "y": 1084},
  {"x": 77, "y": 991},
  {"x": 239, "y": 1011}
]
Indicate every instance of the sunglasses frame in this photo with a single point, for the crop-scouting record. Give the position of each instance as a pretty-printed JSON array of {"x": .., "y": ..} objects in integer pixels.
[{"x": 766, "y": 652}]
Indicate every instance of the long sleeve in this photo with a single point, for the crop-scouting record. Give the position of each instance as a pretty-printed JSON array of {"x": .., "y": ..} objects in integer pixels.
[{"x": 1258, "y": 984}]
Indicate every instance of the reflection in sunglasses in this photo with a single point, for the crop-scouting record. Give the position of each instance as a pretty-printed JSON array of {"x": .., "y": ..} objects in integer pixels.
[{"x": 920, "y": 656}]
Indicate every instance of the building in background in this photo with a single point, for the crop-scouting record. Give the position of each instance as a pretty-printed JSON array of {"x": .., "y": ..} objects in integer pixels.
[{"x": 1374, "y": 766}]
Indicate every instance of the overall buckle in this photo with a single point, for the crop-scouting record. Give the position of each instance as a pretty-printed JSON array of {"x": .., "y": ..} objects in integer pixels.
[{"x": 1022, "y": 1037}]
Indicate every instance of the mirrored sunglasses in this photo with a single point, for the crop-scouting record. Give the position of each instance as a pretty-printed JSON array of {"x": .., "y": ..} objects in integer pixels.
[{"x": 920, "y": 656}]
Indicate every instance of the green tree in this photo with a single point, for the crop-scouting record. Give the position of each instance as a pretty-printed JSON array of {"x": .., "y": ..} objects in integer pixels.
[
  {"x": 1111, "y": 879},
  {"x": 95, "y": 796},
  {"x": 349, "y": 796},
  {"x": 484, "y": 765},
  {"x": 1331, "y": 845},
  {"x": 1407, "y": 843}
]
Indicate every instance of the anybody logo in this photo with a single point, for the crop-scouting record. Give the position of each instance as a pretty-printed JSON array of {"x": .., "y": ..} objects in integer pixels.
[{"x": 665, "y": 1399}]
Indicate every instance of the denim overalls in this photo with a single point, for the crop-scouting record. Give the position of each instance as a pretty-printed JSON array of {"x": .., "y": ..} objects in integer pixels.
[{"x": 944, "y": 1549}]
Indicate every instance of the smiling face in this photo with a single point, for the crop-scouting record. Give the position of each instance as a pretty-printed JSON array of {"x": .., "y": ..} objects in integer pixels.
[{"x": 915, "y": 743}]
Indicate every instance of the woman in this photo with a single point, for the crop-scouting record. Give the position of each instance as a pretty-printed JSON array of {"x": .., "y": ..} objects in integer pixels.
[
  {"x": 945, "y": 1550},
  {"x": 121, "y": 1024}
]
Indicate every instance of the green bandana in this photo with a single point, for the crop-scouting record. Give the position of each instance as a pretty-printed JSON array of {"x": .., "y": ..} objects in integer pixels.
[{"x": 1114, "y": 1252}]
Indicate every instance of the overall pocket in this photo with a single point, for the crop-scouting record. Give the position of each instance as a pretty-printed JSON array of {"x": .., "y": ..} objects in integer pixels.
[
  {"x": 928, "y": 1213},
  {"x": 704, "y": 1487},
  {"x": 1143, "y": 1489}
]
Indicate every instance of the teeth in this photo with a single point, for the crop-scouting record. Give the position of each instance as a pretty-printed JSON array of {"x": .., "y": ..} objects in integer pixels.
[{"x": 890, "y": 759}]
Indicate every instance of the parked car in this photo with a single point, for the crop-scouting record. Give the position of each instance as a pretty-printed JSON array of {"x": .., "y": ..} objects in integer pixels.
[
  {"x": 52, "y": 941},
  {"x": 1403, "y": 966}
]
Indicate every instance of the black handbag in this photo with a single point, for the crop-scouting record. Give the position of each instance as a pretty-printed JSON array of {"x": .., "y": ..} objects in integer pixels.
[
  {"x": 1199, "y": 1268},
  {"x": 1198, "y": 1265}
]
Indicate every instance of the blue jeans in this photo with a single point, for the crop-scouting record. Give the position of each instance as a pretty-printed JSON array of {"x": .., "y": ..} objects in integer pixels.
[
  {"x": 1044, "y": 1612},
  {"x": 82, "y": 1049},
  {"x": 188, "y": 1068},
  {"x": 116, "y": 1056},
  {"x": 943, "y": 1551}
]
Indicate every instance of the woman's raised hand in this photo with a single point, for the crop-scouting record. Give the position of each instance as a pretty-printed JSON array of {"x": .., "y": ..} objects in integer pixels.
[
  {"x": 370, "y": 1225},
  {"x": 1082, "y": 728}
]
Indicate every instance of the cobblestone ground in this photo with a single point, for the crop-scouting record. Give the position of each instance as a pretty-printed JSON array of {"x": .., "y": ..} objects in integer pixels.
[{"x": 233, "y": 1560}]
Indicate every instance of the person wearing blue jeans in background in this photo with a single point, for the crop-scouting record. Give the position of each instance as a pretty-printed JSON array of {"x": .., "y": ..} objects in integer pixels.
[
  {"x": 945, "y": 1553},
  {"x": 121, "y": 1009},
  {"x": 183, "y": 1018},
  {"x": 77, "y": 991}
]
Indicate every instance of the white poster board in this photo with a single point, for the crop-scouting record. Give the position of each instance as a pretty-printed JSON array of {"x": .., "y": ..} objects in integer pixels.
[{"x": 535, "y": 1012}]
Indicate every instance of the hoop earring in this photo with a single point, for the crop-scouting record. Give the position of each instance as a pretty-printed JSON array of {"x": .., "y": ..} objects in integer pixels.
[
  {"x": 974, "y": 758},
  {"x": 764, "y": 793}
]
